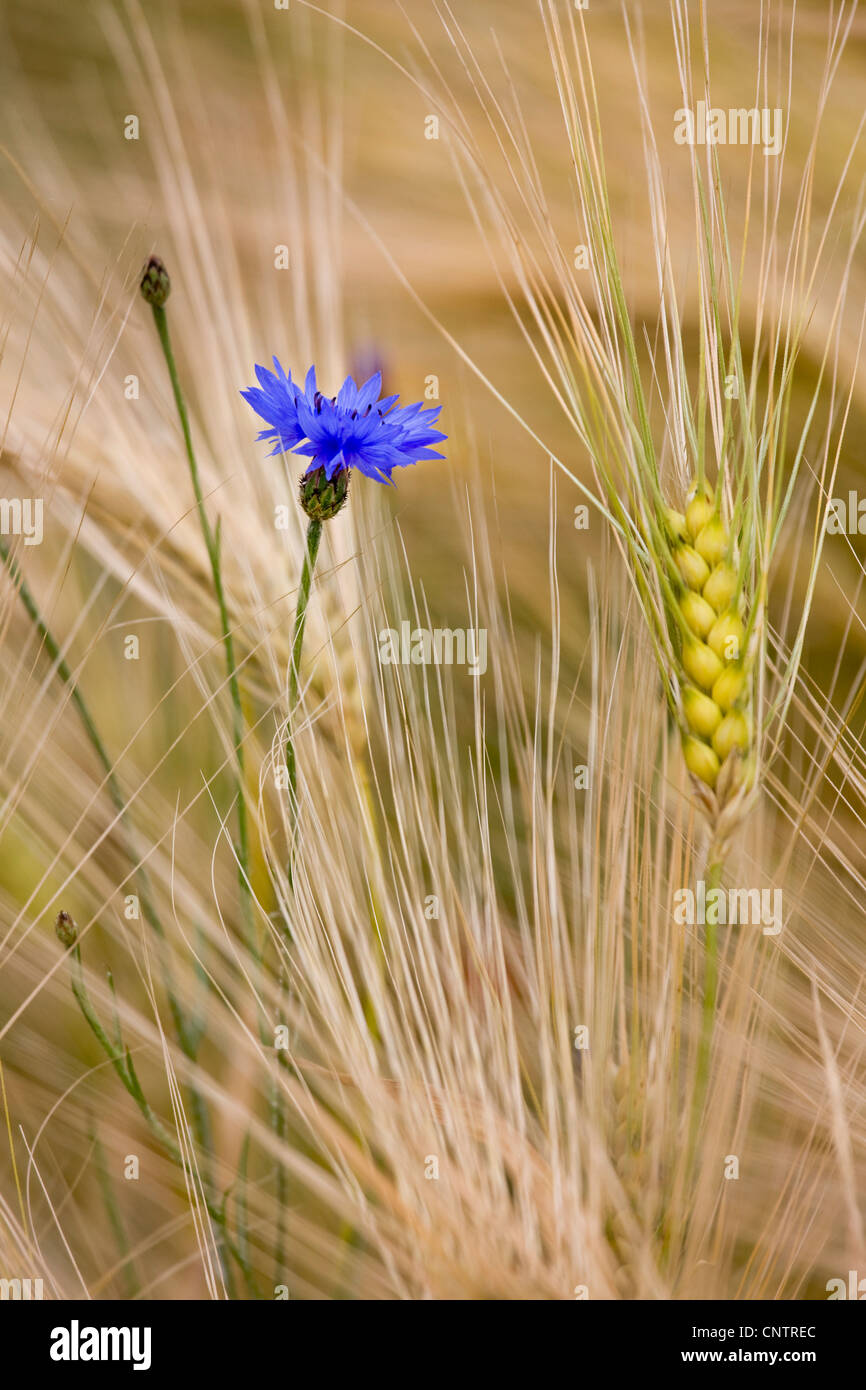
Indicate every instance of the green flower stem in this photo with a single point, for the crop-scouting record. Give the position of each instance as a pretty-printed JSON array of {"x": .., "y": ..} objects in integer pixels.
[
  {"x": 212, "y": 545},
  {"x": 277, "y": 1108},
  {"x": 314, "y": 536}
]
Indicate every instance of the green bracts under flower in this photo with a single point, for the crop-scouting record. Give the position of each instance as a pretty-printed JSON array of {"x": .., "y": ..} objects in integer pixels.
[{"x": 321, "y": 499}]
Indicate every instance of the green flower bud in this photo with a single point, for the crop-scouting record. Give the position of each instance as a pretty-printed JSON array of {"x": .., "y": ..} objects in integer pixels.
[
  {"x": 721, "y": 587},
  {"x": 67, "y": 931},
  {"x": 733, "y": 732},
  {"x": 726, "y": 637},
  {"x": 702, "y": 714},
  {"x": 320, "y": 499},
  {"x": 155, "y": 283},
  {"x": 693, "y": 569},
  {"x": 701, "y": 663},
  {"x": 699, "y": 615},
  {"x": 711, "y": 542},
  {"x": 701, "y": 760}
]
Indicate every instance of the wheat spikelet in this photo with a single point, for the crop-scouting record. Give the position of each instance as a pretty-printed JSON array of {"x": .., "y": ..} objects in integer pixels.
[{"x": 716, "y": 672}]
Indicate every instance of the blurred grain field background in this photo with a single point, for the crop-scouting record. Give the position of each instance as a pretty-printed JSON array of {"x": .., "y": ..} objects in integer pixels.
[
  {"x": 193, "y": 74},
  {"x": 306, "y": 128}
]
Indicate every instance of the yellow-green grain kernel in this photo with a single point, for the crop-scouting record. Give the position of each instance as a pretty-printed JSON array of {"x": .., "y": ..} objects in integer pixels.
[
  {"x": 699, "y": 614},
  {"x": 726, "y": 637},
  {"x": 733, "y": 732},
  {"x": 729, "y": 687},
  {"x": 721, "y": 587},
  {"x": 702, "y": 713},
  {"x": 701, "y": 663},
  {"x": 711, "y": 542},
  {"x": 701, "y": 760},
  {"x": 698, "y": 513},
  {"x": 693, "y": 569},
  {"x": 675, "y": 523}
]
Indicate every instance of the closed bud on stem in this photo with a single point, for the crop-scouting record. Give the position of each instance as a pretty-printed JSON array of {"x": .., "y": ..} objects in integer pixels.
[
  {"x": 155, "y": 283},
  {"x": 67, "y": 931}
]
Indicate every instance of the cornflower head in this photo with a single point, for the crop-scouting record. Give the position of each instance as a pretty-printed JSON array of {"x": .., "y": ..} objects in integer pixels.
[{"x": 357, "y": 428}]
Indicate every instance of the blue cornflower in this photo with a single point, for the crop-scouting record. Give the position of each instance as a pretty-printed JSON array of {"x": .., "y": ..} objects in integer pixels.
[{"x": 354, "y": 429}]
